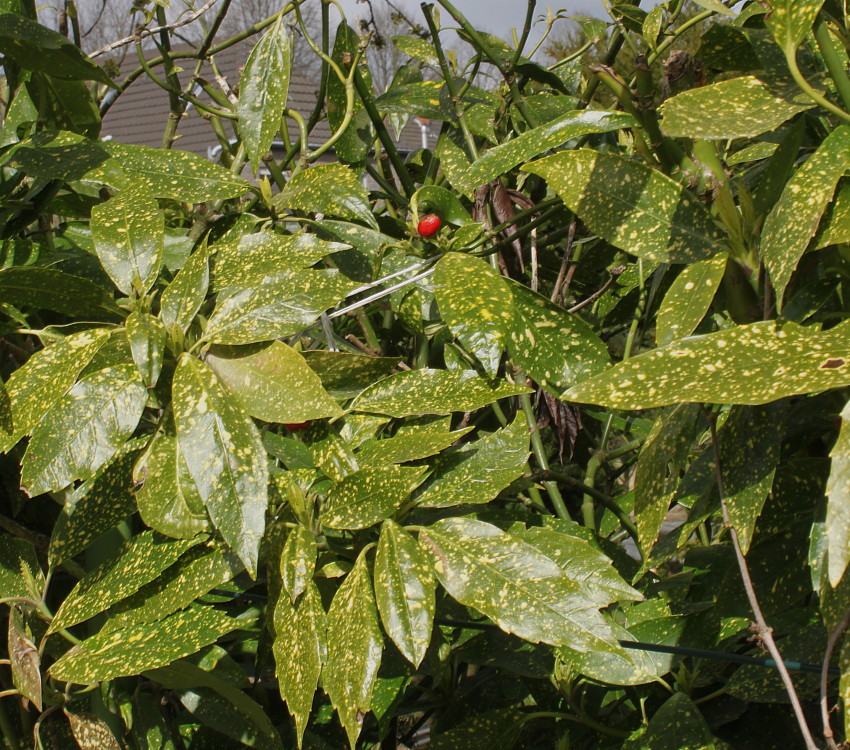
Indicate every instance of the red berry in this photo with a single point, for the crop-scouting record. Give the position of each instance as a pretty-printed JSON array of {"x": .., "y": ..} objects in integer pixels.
[
  {"x": 296, "y": 426},
  {"x": 429, "y": 226}
]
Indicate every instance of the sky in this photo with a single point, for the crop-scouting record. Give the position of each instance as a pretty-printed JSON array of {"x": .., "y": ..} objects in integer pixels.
[{"x": 496, "y": 16}]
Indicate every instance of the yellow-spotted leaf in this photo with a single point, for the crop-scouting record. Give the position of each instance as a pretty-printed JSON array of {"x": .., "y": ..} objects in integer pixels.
[
  {"x": 24, "y": 657},
  {"x": 369, "y": 495},
  {"x": 179, "y": 175},
  {"x": 129, "y": 234},
  {"x": 262, "y": 257},
  {"x": 225, "y": 457},
  {"x": 331, "y": 189},
  {"x": 147, "y": 337},
  {"x": 91, "y": 732},
  {"x": 837, "y": 525},
  {"x": 355, "y": 643},
  {"x": 794, "y": 220},
  {"x": 478, "y": 471},
  {"x": 129, "y": 568},
  {"x": 522, "y": 590},
  {"x": 279, "y": 308},
  {"x": 52, "y": 289},
  {"x": 140, "y": 646},
  {"x": 272, "y": 382},
  {"x": 166, "y": 495},
  {"x": 750, "y": 364},
  {"x": 476, "y": 304},
  {"x": 299, "y": 647},
  {"x": 503, "y": 158},
  {"x": 632, "y": 206},
  {"x": 678, "y": 725},
  {"x": 688, "y": 299},
  {"x": 432, "y": 392},
  {"x": 297, "y": 562},
  {"x": 34, "y": 388},
  {"x": 356, "y": 139},
  {"x": 791, "y": 20},
  {"x": 263, "y": 87},
  {"x": 183, "y": 297},
  {"x": 409, "y": 446},
  {"x": 741, "y": 107},
  {"x": 404, "y": 590},
  {"x": 555, "y": 348},
  {"x": 20, "y": 573},
  {"x": 84, "y": 429},
  {"x": 97, "y": 505},
  {"x": 345, "y": 375}
]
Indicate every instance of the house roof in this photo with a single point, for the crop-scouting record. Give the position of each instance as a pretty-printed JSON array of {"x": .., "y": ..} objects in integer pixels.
[{"x": 140, "y": 114}]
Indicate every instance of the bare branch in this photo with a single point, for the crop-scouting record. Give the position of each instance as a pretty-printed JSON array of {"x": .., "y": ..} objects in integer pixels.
[
  {"x": 191, "y": 18},
  {"x": 834, "y": 637}
]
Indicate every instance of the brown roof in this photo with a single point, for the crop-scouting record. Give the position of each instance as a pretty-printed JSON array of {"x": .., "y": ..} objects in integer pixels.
[{"x": 140, "y": 114}]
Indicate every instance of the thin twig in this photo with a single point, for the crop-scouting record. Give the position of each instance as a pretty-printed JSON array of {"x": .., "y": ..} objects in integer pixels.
[
  {"x": 763, "y": 630},
  {"x": 150, "y": 32},
  {"x": 615, "y": 274},
  {"x": 834, "y": 637},
  {"x": 562, "y": 273}
]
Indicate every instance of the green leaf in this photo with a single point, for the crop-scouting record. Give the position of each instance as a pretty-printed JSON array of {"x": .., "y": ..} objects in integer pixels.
[
  {"x": 129, "y": 234},
  {"x": 20, "y": 573},
  {"x": 51, "y": 289},
  {"x": 837, "y": 524},
  {"x": 299, "y": 648},
  {"x": 405, "y": 591},
  {"x": 345, "y": 375},
  {"x": 356, "y": 140},
  {"x": 208, "y": 693},
  {"x": 521, "y": 590},
  {"x": 97, "y": 505},
  {"x": 149, "y": 728},
  {"x": 166, "y": 494},
  {"x": 496, "y": 729},
  {"x": 582, "y": 562},
  {"x": 330, "y": 189},
  {"x": 272, "y": 383},
  {"x": 631, "y": 205},
  {"x": 750, "y": 443},
  {"x": 91, "y": 732},
  {"x": 276, "y": 309},
  {"x": 555, "y": 348},
  {"x": 355, "y": 644},
  {"x": 184, "y": 296},
  {"x": 689, "y": 298},
  {"x": 127, "y": 651},
  {"x": 179, "y": 175},
  {"x": 751, "y": 364},
  {"x": 418, "y": 49},
  {"x": 265, "y": 256},
  {"x": 652, "y": 25},
  {"x": 678, "y": 725},
  {"x": 369, "y": 495},
  {"x": 24, "y": 657},
  {"x": 406, "y": 447},
  {"x": 297, "y": 562},
  {"x": 418, "y": 98},
  {"x": 147, "y": 337},
  {"x": 478, "y": 471},
  {"x": 197, "y": 571},
  {"x": 225, "y": 457},
  {"x": 137, "y": 562},
  {"x": 476, "y": 305},
  {"x": 716, "y": 6},
  {"x": 440, "y": 201},
  {"x": 742, "y": 107},
  {"x": 835, "y": 225},
  {"x": 431, "y": 392},
  {"x": 791, "y": 20},
  {"x": 84, "y": 429},
  {"x": 35, "y": 47},
  {"x": 794, "y": 220},
  {"x": 574, "y": 124},
  {"x": 666, "y": 446},
  {"x": 34, "y": 388},
  {"x": 263, "y": 88}
]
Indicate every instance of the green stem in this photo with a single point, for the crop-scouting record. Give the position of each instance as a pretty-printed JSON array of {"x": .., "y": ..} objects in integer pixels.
[
  {"x": 834, "y": 64},
  {"x": 584, "y": 720},
  {"x": 8, "y": 730},
  {"x": 671, "y": 40},
  {"x": 540, "y": 452}
]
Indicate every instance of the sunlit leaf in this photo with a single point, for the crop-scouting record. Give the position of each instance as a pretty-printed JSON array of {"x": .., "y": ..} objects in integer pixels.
[
  {"x": 688, "y": 299},
  {"x": 837, "y": 525},
  {"x": 225, "y": 457},
  {"x": 404, "y": 591},
  {"x": 791, "y": 20},
  {"x": 355, "y": 644},
  {"x": 750, "y": 364},
  {"x": 634, "y": 207},
  {"x": 297, "y": 562}
]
